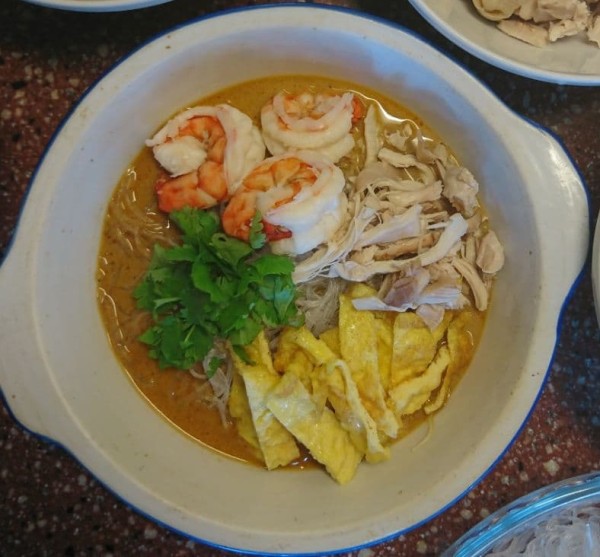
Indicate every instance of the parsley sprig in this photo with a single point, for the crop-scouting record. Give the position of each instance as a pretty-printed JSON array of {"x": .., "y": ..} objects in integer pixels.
[{"x": 212, "y": 287}]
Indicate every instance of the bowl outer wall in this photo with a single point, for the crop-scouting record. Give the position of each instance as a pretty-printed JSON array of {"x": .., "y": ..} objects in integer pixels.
[{"x": 64, "y": 382}]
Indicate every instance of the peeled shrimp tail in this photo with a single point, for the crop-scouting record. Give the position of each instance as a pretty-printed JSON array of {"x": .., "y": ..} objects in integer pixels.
[
  {"x": 325, "y": 128},
  {"x": 206, "y": 150},
  {"x": 299, "y": 196}
]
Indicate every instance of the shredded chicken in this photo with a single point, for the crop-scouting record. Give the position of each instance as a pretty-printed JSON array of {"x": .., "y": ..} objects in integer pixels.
[
  {"x": 413, "y": 229},
  {"x": 593, "y": 30},
  {"x": 476, "y": 283},
  {"x": 540, "y": 22}
]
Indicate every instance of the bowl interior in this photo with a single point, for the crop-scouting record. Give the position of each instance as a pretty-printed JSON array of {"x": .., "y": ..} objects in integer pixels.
[{"x": 171, "y": 477}]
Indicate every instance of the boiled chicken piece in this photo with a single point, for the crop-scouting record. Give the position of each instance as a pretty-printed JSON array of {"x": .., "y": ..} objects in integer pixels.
[
  {"x": 548, "y": 10},
  {"x": 400, "y": 139},
  {"x": 423, "y": 153},
  {"x": 408, "y": 161},
  {"x": 431, "y": 314},
  {"x": 490, "y": 254},
  {"x": 319, "y": 262},
  {"x": 478, "y": 288},
  {"x": 416, "y": 286},
  {"x": 405, "y": 291},
  {"x": 461, "y": 188},
  {"x": 398, "y": 227},
  {"x": 408, "y": 192},
  {"x": 526, "y": 32},
  {"x": 593, "y": 32},
  {"x": 372, "y": 139},
  {"x": 569, "y": 27},
  {"x": 448, "y": 240},
  {"x": 457, "y": 227},
  {"x": 375, "y": 172},
  {"x": 406, "y": 246}
]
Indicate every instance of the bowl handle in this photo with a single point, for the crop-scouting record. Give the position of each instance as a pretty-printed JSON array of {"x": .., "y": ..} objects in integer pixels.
[
  {"x": 24, "y": 383},
  {"x": 562, "y": 203}
]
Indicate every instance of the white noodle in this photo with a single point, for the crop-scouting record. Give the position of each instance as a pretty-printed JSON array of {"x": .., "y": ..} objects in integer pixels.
[
  {"x": 319, "y": 302},
  {"x": 571, "y": 532}
]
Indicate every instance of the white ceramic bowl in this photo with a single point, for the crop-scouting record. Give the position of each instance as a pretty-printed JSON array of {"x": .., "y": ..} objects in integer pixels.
[
  {"x": 97, "y": 5},
  {"x": 570, "y": 61},
  {"x": 61, "y": 379}
]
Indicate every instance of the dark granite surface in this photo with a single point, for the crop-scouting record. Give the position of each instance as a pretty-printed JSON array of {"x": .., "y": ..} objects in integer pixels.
[{"x": 49, "y": 504}]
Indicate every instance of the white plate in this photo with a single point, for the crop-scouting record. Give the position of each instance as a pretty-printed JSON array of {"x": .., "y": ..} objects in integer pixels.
[
  {"x": 97, "y": 5},
  {"x": 568, "y": 61}
]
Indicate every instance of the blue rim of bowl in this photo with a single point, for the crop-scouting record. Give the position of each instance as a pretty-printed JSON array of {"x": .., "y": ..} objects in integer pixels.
[
  {"x": 394, "y": 26},
  {"x": 505, "y": 64},
  {"x": 525, "y": 511}
]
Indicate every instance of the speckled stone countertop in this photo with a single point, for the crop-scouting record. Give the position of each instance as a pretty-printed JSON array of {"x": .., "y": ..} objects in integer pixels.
[{"x": 49, "y": 504}]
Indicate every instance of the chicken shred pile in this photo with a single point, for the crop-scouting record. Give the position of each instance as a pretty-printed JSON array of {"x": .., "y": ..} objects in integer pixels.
[
  {"x": 414, "y": 229},
  {"x": 540, "y": 22}
]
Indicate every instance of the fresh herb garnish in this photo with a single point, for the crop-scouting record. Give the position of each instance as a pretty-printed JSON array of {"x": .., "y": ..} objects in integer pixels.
[
  {"x": 212, "y": 286},
  {"x": 257, "y": 236}
]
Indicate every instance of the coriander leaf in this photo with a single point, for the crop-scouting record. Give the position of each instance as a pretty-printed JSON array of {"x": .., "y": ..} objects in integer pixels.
[
  {"x": 230, "y": 250},
  {"x": 144, "y": 295},
  {"x": 230, "y": 287},
  {"x": 232, "y": 316},
  {"x": 197, "y": 226},
  {"x": 158, "y": 256},
  {"x": 196, "y": 346},
  {"x": 266, "y": 312},
  {"x": 203, "y": 280},
  {"x": 270, "y": 264},
  {"x": 194, "y": 305},
  {"x": 181, "y": 253},
  {"x": 248, "y": 331},
  {"x": 211, "y": 287},
  {"x": 257, "y": 236},
  {"x": 150, "y": 336},
  {"x": 172, "y": 335}
]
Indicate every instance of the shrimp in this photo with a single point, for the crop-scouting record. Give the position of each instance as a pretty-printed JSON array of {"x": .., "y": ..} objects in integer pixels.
[
  {"x": 300, "y": 197},
  {"x": 308, "y": 121},
  {"x": 204, "y": 151}
]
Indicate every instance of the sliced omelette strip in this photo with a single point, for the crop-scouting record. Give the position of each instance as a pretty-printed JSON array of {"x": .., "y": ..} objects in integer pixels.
[
  {"x": 413, "y": 348},
  {"x": 411, "y": 395},
  {"x": 277, "y": 445},
  {"x": 365, "y": 428},
  {"x": 242, "y": 415},
  {"x": 342, "y": 392},
  {"x": 317, "y": 429},
  {"x": 460, "y": 343},
  {"x": 358, "y": 345}
]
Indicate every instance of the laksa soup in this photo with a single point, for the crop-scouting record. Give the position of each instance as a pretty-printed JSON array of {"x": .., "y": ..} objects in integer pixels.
[{"x": 295, "y": 272}]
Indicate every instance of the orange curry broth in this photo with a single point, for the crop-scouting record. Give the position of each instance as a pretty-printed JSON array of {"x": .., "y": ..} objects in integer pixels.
[{"x": 174, "y": 393}]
